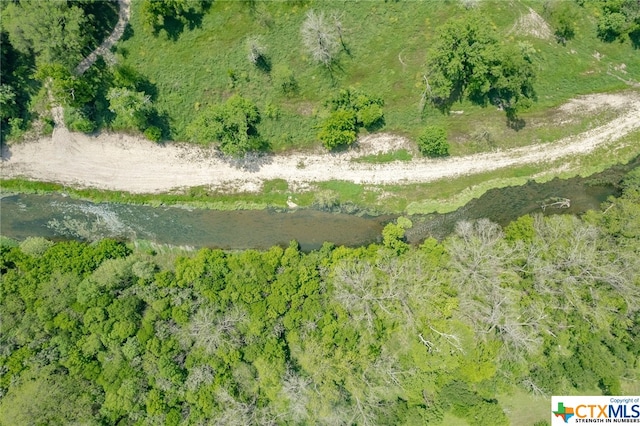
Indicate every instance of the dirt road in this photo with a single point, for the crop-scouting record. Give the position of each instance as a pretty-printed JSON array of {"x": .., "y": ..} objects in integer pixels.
[{"x": 121, "y": 162}]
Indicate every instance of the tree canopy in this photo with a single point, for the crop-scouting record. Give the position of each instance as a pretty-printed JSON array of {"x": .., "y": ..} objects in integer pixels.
[
  {"x": 384, "y": 334},
  {"x": 231, "y": 124},
  {"x": 468, "y": 61}
]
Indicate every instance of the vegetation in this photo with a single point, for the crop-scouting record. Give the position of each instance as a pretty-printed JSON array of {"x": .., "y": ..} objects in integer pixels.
[
  {"x": 433, "y": 142},
  {"x": 348, "y": 110},
  {"x": 468, "y": 61},
  {"x": 619, "y": 20},
  {"x": 232, "y": 124},
  {"x": 384, "y": 334},
  {"x": 189, "y": 55}
]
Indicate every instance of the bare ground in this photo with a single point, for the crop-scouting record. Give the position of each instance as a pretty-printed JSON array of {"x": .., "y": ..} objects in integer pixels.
[{"x": 129, "y": 163}]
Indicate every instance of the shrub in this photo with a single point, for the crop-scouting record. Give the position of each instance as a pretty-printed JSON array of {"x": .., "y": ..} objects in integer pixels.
[
  {"x": 232, "y": 124},
  {"x": 370, "y": 115},
  {"x": 339, "y": 129},
  {"x": 433, "y": 142},
  {"x": 153, "y": 133},
  {"x": 76, "y": 121},
  {"x": 611, "y": 26},
  {"x": 284, "y": 80},
  {"x": 35, "y": 246}
]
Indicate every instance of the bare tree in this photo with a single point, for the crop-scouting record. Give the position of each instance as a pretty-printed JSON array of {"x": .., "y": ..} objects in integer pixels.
[
  {"x": 295, "y": 390},
  {"x": 321, "y": 38},
  {"x": 211, "y": 331},
  {"x": 256, "y": 50}
]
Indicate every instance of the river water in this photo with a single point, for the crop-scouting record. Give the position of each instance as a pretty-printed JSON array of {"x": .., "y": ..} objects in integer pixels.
[{"x": 57, "y": 217}]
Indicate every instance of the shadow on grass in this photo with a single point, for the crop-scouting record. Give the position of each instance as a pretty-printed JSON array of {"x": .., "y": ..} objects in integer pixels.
[
  {"x": 190, "y": 19},
  {"x": 161, "y": 121}
]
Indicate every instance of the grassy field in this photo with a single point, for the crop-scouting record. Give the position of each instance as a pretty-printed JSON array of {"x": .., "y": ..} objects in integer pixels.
[{"x": 386, "y": 50}]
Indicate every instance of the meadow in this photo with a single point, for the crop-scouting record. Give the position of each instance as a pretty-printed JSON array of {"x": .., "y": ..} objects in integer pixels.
[{"x": 386, "y": 47}]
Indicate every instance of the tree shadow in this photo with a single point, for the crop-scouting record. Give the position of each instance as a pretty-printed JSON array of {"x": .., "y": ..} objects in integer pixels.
[
  {"x": 162, "y": 122},
  {"x": 190, "y": 19},
  {"x": 128, "y": 32},
  {"x": 251, "y": 162},
  {"x": 375, "y": 126},
  {"x": 100, "y": 28},
  {"x": 127, "y": 76},
  {"x": 515, "y": 123},
  {"x": 263, "y": 63},
  {"x": 634, "y": 36}
]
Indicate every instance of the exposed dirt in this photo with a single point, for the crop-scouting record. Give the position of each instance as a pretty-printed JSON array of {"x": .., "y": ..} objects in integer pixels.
[
  {"x": 533, "y": 25},
  {"x": 129, "y": 163},
  {"x": 104, "y": 49}
]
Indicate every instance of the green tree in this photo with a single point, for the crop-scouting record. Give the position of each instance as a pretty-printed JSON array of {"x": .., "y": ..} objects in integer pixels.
[
  {"x": 339, "y": 129},
  {"x": 433, "y": 142},
  {"x": 232, "y": 125},
  {"x": 132, "y": 108},
  {"x": 468, "y": 61},
  {"x": 55, "y": 31}
]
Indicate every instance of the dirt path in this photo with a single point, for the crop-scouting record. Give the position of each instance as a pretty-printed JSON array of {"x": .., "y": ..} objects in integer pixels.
[
  {"x": 121, "y": 162},
  {"x": 104, "y": 49}
]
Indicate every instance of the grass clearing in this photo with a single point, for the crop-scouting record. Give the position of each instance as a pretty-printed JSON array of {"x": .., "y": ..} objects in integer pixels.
[
  {"x": 385, "y": 157},
  {"x": 207, "y": 64},
  {"x": 524, "y": 409}
]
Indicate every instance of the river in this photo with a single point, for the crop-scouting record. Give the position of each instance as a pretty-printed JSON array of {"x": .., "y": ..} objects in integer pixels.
[{"x": 58, "y": 217}]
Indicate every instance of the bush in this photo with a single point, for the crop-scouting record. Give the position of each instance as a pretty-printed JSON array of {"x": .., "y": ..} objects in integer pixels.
[
  {"x": 433, "y": 142},
  {"x": 611, "y": 26},
  {"x": 232, "y": 124},
  {"x": 370, "y": 115},
  {"x": 35, "y": 246},
  {"x": 77, "y": 121},
  {"x": 284, "y": 80},
  {"x": 349, "y": 110},
  {"x": 339, "y": 129},
  {"x": 153, "y": 133}
]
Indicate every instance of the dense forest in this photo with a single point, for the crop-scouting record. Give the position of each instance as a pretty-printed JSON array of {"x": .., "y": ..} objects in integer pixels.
[{"x": 106, "y": 333}]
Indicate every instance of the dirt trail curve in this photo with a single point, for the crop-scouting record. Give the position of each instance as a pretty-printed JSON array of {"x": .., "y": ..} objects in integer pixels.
[
  {"x": 104, "y": 49},
  {"x": 128, "y": 163}
]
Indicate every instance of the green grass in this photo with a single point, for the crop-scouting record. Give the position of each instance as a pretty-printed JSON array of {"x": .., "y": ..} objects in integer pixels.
[
  {"x": 387, "y": 49},
  {"x": 524, "y": 409},
  {"x": 385, "y": 157}
]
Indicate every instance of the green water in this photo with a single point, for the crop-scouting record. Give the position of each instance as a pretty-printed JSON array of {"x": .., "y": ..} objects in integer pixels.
[{"x": 57, "y": 217}]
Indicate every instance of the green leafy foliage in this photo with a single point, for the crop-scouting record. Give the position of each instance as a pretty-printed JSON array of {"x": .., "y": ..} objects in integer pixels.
[
  {"x": 562, "y": 15},
  {"x": 433, "y": 142},
  {"x": 468, "y": 61},
  {"x": 232, "y": 125},
  {"x": 56, "y": 32},
  {"x": 618, "y": 20},
  {"x": 383, "y": 334},
  {"x": 153, "y": 133},
  {"x": 350, "y": 109},
  {"x": 339, "y": 129},
  {"x": 132, "y": 108}
]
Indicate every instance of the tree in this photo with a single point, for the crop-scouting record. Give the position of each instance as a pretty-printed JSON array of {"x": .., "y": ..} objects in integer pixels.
[
  {"x": 433, "y": 142},
  {"x": 468, "y": 61},
  {"x": 320, "y": 38},
  {"x": 232, "y": 125},
  {"x": 55, "y": 31},
  {"x": 256, "y": 53},
  {"x": 339, "y": 129},
  {"x": 132, "y": 108}
]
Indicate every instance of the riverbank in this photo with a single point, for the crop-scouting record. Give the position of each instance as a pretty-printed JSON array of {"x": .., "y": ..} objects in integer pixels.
[{"x": 122, "y": 168}]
